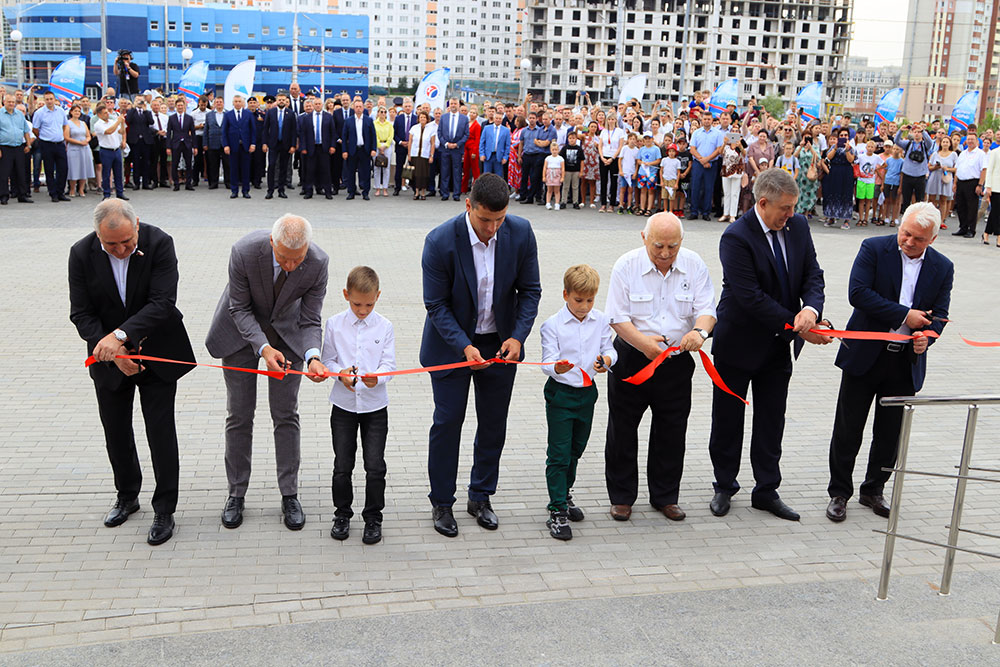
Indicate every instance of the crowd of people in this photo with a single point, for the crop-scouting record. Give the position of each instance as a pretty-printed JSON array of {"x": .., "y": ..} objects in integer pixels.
[{"x": 615, "y": 159}]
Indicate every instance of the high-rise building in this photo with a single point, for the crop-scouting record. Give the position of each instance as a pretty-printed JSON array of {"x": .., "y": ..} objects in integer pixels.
[{"x": 863, "y": 86}]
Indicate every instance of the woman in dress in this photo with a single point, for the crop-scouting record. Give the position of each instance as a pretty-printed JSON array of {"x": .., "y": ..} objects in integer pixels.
[
  {"x": 941, "y": 181},
  {"x": 421, "y": 154},
  {"x": 612, "y": 140},
  {"x": 838, "y": 186},
  {"x": 760, "y": 156},
  {"x": 514, "y": 161},
  {"x": 807, "y": 155},
  {"x": 383, "y": 141},
  {"x": 590, "y": 172},
  {"x": 79, "y": 158}
]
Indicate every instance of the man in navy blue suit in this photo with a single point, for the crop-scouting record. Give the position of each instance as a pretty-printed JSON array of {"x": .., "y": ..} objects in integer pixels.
[
  {"x": 401, "y": 135},
  {"x": 770, "y": 278},
  {"x": 278, "y": 141},
  {"x": 453, "y": 132},
  {"x": 481, "y": 291},
  {"x": 316, "y": 145},
  {"x": 180, "y": 144},
  {"x": 239, "y": 139},
  {"x": 898, "y": 284},
  {"x": 358, "y": 150},
  {"x": 494, "y": 146}
]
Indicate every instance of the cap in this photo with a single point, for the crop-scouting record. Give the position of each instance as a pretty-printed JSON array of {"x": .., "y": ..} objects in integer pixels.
[
  {"x": 647, "y": 134},
  {"x": 397, "y": 101},
  {"x": 762, "y": 160},
  {"x": 148, "y": 93},
  {"x": 269, "y": 98},
  {"x": 673, "y": 146}
]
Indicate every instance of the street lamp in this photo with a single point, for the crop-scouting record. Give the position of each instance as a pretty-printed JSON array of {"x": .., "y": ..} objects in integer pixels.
[
  {"x": 187, "y": 54},
  {"x": 525, "y": 66},
  {"x": 322, "y": 50},
  {"x": 17, "y": 36}
]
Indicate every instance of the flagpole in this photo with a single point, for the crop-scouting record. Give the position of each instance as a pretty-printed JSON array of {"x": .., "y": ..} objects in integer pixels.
[{"x": 104, "y": 47}]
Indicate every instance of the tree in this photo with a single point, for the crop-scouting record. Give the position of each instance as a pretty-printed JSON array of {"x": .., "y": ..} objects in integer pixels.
[
  {"x": 990, "y": 121},
  {"x": 774, "y": 105}
]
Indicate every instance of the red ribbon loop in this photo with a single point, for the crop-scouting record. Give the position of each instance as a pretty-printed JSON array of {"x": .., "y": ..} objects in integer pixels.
[
  {"x": 870, "y": 335},
  {"x": 713, "y": 373}
]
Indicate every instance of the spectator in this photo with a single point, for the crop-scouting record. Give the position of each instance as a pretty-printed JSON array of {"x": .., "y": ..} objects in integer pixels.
[
  {"x": 808, "y": 178},
  {"x": 970, "y": 176},
  {"x": 514, "y": 161},
  {"x": 422, "y": 141},
  {"x": 79, "y": 158},
  {"x": 941, "y": 181},
  {"x": 383, "y": 141},
  {"x": 838, "y": 186},
  {"x": 733, "y": 173},
  {"x": 917, "y": 147},
  {"x": 591, "y": 161},
  {"x": 612, "y": 141}
]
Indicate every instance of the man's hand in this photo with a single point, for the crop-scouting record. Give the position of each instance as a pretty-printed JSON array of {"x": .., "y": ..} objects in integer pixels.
[
  {"x": 472, "y": 354},
  {"x": 107, "y": 348},
  {"x": 265, "y": 148},
  {"x": 804, "y": 321},
  {"x": 511, "y": 349},
  {"x": 563, "y": 366},
  {"x": 332, "y": 150},
  {"x": 275, "y": 360},
  {"x": 373, "y": 153},
  {"x": 129, "y": 367},
  {"x": 194, "y": 152},
  {"x": 344, "y": 156},
  {"x": 705, "y": 163},
  {"x": 920, "y": 343},
  {"x": 691, "y": 342},
  {"x": 169, "y": 152},
  {"x": 225, "y": 149},
  {"x": 252, "y": 147},
  {"x": 348, "y": 381},
  {"x": 917, "y": 319},
  {"x": 815, "y": 339},
  {"x": 291, "y": 151},
  {"x": 369, "y": 380},
  {"x": 316, "y": 366},
  {"x": 652, "y": 348},
  {"x": 482, "y": 159},
  {"x": 602, "y": 363}
]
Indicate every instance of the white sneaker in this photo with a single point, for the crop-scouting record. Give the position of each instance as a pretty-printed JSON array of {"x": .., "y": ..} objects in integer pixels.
[
  {"x": 555, "y": 206},
  {"x": 549, "y": 206},
  {"x": 593, "y": 206}
]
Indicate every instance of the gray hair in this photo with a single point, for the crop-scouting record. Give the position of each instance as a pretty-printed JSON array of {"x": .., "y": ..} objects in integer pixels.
[
  {"x": 113, "y": 212},
  {"x": 649, "y": 223},
  {"x": 924, "y": 214},
  {"x": 292, "y": 231},
  {"x": 772, "y": 183}
]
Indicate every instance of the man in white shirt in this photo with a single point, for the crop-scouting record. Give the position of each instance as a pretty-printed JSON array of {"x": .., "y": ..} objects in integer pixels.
[
  {"x": 970, "y": 176},
  {"x": 198, "y": 114},
  {"x": 110, "y": 138},
  {"x": 160, "y": 170},
  {"x": 660, "y": 296}
]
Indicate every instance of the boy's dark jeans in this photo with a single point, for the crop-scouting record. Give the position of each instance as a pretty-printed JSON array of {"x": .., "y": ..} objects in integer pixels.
[{"x": 374, "y": 428}]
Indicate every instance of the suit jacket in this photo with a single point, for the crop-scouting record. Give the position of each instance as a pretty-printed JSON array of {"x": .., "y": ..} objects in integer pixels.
[
  {"x": 399, "y": 132},
  {"x": 472, "y": 143},
  {"x": 248, "y": 300},
  {"x": 488, "y": 138},
  {"x": 176, "y": 134},
  {"x": 307, "y": 133},
  {"x": 289, "y": 133},
  {"x": 149, "y": 315},
  {"x": 350, "y": 135},
  {"x": 338, "y": 128},
  {"x": 137, "y": 126},
  {"x": 461, "y": 132},
  {"x": 876, "y": 279},
  {"x": 295, "y": 104},
  {"x": 750, "y": 311},
  {"x": 234, "y": 132},
  {"x": 451, "y": 295},
  {"x": 213, "y": 131}
]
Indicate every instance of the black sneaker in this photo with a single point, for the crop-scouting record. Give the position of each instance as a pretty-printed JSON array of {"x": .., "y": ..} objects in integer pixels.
[
  {"x": 558, "y": 524},
  {"x": 373, "y": 532},
  {"x": 574, "y": 512}
]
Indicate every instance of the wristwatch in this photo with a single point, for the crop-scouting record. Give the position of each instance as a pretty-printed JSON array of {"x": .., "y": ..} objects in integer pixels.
[
  {"x": 704, "y": 334},
  {"x": 311, "y": 359},
  {"x": 121, "y": 336}
]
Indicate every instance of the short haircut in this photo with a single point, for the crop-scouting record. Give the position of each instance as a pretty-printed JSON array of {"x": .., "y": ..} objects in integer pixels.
[
  {"x": 424, "y": 114},
  {"x": 772, "y": 183},
  {"x": 490, "y": 191},
  {"x": 112, "y": 213},
  {"x": 291, "y": 231},
  {"x": 923, "y": 213},
  {"x": 972, "y": 129},
  {"x": 363, "y": 280},
  {"x": 582, "y": 279}
]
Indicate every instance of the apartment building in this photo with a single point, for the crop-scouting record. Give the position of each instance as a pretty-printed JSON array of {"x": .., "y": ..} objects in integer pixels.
[{"x": 862, "y": 86}]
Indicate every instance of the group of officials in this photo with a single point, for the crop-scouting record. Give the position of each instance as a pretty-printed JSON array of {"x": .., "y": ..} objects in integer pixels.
[{"x": 481, "y": 292}]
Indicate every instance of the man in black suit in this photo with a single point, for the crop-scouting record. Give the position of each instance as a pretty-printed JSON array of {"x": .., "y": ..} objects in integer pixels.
[
  {"x": 295, "y": 102},
  {"x": 258, "y": 161},
  {"x": 770, "y": 278},
  {"x": 358, "y": 150},
  {"x": 123, "y": 289},
  {"x": 140, "y": 138},
  {"x": 280, "y": 136},
  {"x": 180, "y": 144},
  {"x": 401, "y": 135},
  {"x": 315, "y": 147},
  {"x": 336, "y": 161}
]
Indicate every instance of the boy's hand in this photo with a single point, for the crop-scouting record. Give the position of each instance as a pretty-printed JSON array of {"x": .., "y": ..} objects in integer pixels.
[
  {"x": 563, "y": 366},
  {"x": 602, "y": 363},
  {"x": 369, "y": 380},
  {"x": 348, "y": 381}
]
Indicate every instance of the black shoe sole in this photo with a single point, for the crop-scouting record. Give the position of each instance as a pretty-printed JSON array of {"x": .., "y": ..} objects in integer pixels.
[
  {"x": 487, "y": 526},
  {"x": 153, "y": 543},
  {"x": 370, "y": 540},
  {"x": 718, "y": 513},
  {"x": 338, "y": 536},
  {"x": 835, "y": 519},
  {"x": 293, "y": 526},
  {"x": 882, "y": 513},
  {"x": 233, "y": 524},
  {"x": 447, "y": 533}
]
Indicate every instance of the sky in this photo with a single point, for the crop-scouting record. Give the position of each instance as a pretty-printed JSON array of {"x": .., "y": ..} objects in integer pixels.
[{"x": 879, "y": 31}]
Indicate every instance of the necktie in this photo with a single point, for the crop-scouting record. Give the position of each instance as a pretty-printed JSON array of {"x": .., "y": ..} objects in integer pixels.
[
  {"x": 407, "y": 125},
  {"x": 779, "y": 257},
  {"x": 158, "y": 125},
  {"x": 279, "y": 283},
  {"x": 319, "y": 128},
  {"x": 238, "y": 115},
  {"x": 281, "y": 118},
  {"x": 496, "y": 138}
]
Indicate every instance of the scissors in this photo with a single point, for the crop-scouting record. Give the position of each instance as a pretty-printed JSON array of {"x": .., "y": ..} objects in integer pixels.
[{"x": 600, "y": 364}]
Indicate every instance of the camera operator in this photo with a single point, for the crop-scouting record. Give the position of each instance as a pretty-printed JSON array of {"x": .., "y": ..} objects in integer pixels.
[
  {"x": 917, "y": 150},
  {"x": 128, "y": 75}
]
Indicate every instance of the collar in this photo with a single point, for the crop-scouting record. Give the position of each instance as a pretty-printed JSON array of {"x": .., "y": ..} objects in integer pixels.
[
  {"x": 760, "y": 221},
  {"x": 134, "y": 250},
  {"x": 568, "y": 317},
  {"x": 473, "y": 238},
  {"x": 912, "y": 260},
  {"x": 357, "y": 321},
  {"x": 647, "y": 264}
]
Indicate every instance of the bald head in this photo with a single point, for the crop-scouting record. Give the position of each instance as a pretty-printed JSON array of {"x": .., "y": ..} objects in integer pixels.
[{"x": 662, "y": 237}]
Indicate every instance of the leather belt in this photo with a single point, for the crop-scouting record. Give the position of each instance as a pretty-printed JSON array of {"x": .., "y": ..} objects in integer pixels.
[{"x": 895, "y": 347}]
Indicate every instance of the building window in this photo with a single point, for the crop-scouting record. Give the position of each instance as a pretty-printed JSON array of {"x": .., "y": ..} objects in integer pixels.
[
  {"x": 312, "y": 32},
  {"x": 343, "y": 34},
  {"x": 281, "y": 31},
  {"x": 360, "y": 34},
  {"x": 154, "y": 25},
  {"x": 218, "y": 28},
  {"x": 264, "y": 30},
  {"x": 204, "y": 27},
  {"x": 172, "y": 25},
  {"x": 236, "y": 30}
]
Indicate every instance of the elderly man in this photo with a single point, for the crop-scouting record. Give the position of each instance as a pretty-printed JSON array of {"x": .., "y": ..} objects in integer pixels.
[
  {"x": 15, "y": 144},
  {"x": 901, "y": 285},
  {"x": 110, "y": 138},
  {"x": 48, "y": 123},
  {"x": 969, "y": 182},
  {"x": 270, "y": 310},
  {"x": 119, "y": 316},
  {"x": 659, "y": 295},
  {"x": 452, "y": 134},
  {"x": 239, "y": 139},
  {"x": 770, "y": 278}
]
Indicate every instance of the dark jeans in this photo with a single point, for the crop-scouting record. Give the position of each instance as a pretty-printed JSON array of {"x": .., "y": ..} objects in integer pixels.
[
  {"x": 702, "y": 186},
  {"x": 569, "y": 413},
  {"x": 374, "y": 428},
  {"x": 531, "y": 176},
  {"x": 609, "y": 182},
  {"x": 911, "y": 186},
  {"x": 111, "y": 164}
]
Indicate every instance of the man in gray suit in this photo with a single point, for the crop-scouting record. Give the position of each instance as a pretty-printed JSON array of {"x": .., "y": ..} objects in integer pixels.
[{"x": 269, "y": 310}]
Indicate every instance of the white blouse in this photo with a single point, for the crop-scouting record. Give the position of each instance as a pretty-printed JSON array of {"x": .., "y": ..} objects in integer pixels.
[{"x": 420, "y": 148}]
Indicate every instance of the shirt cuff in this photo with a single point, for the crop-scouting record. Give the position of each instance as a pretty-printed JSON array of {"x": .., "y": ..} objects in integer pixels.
[
  {"x": 815, "y": 312},
  {"x": 260, "y": 352},
  {"x": 311, "y": 352}
]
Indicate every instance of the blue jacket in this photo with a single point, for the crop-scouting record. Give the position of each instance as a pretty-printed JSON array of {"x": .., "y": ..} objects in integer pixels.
[
  {"x": 451, "y": 295},
  {"x": 213, "y": 131},
  {"x": 876, "y": 279},
  {"x": 444, "y": 135},
  {"x": 350, "y": 135},
  {"x": 399, "y": 127},
  {"x": 750, "y": 310},
  {"x": 307, "y": 133},
  {"x": 234, "y": 132},
  {"x": 487, "y": 139}
]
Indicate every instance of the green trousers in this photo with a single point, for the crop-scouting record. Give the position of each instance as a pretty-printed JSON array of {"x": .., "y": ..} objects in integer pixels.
[{"x": 569, "y": 412}]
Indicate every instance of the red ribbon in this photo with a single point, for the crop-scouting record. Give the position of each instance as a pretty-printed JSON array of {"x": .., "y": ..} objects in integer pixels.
[
  {"x": 976, "y": 343},
  {"x": 650, "y": 368},
  {"x": 870, "y": 335}
]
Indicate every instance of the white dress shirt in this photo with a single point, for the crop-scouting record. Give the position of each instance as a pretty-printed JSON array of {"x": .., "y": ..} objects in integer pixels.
[
  {"x": 453, "y": 124},
  {"x": 970, "y": 164},
  {"x": 111, "y": 141},
  {"x": 119, "y": 269},
  {"x": 660, "y": 305},
  {"x": 198, "y": 116},
  {"x": 368, "y": 344},
  {"x": 160, "y": 121},
  {"x": 911, "y": 273},
  {"x": 359, "y": 125},
  {"x": 484, "y": 259},
  {"x": 578, "y": 342}
]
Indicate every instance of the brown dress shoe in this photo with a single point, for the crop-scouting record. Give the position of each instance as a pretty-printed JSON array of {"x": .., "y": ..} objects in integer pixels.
[
  {"x": 672, "y": 512},
  {"x": 877, "y": 503},
  {"x": 621, "y": 512},
  {"x": 837, "y": 509}
]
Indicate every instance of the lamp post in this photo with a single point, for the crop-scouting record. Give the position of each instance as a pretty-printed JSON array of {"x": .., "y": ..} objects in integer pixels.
[
  {"x": 16, "y": 36},
  {"x": 525, "y": 66},
  {"x": 322, "y": 51}
]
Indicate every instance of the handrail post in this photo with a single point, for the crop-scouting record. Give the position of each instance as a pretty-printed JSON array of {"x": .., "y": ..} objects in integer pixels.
[
  {"x": 897, "y": 495},
  {"x": 996, "y": 637},
  {"x": 956, "y": 510}
]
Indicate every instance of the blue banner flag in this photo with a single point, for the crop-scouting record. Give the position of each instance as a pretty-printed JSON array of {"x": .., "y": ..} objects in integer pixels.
[
  {"x": 433, "y": 88},
  {"x": 66, "y": 82},
  {"x": 964, "y": 113},
  {"x": 888, "y": 107},
  {"x": 810, "y": 102},
  {"x": 193, "y": 82},
  {"x": 723, "y": 96}
]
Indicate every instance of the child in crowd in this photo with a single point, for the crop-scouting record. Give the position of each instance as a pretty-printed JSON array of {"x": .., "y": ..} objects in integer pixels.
[
  {"x": 359, "y": 341},
  {"x": 893, "y": 169},
  {"x": 865, "y": 192},
  {"x": 649, "y": 161},
  {"x": 684, "y": 157},
  {"x": 670, "y": 168},
  {"x": 881, "y": 201},
  {"x": 572, "y": 155},
  {"x": 626, "y": 174},
  {"x": 555, "y": 172},
  {"x": 577, "y": 337},
  {"x": 788, "y": 161}
]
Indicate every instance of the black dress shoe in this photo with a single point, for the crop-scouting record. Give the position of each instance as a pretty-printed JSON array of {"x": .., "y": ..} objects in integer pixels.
[
  {"x": 365, "y": 197},
  {"x": 444, "y": 521},
  {"x": 336, "y": 191},
  {"x": 233, "y": 196},
  {"x": 123, "y": 197},
  {"x": 25, "y": 200},
  {"x": 960, "y": 232},
  {"x": 269, "y": 195},
  {"x": 246, "y": 195},
  {"x": 177, "y": 187},
  {"x": 119, "y": 512},
  {"x": 373, "y": 532},
  {"x": 329, "y": 196},
  {"x": 483, "y": 511},
  {"x": 150, "y": 187},
  {"x": 55, "y": 200},
  {"x": 837, "y": 509},
  {"x": 720, "y": 504},
  {"x": 211, "y": 187},
  {"x": 161, "y": 530},
  {"x": 291, "y": 508},
  {"x": 232, "y": 513},
  {"x": 308, "y": 196},
  {"x": 456, "y": 197},
  {"x": 189, "y": 187},
  {"x": 395, "y": 192},
  {"x": 969, "y": 235},
  {"x": 341, "y": 528},
  {"x": 706, "y": 218},
  {"x": 776, "y": 507},
  {"x": 63, "y": 197},
  {"x": 282, "y": 195},
  {"x": 136, "y": 186},
  {"x": 349, "y": 197},
  {"x": 3, "y": 201},
  {"x": 877, "y": 503}
]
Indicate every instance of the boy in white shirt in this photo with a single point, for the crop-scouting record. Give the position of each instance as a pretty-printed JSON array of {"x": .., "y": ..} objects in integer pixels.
[
  {"x": 627, "y": 160},
  {"x": 577, "y": 337},
  {"x": 867, "y": 163},
  {"x": 361, "y": 342}
]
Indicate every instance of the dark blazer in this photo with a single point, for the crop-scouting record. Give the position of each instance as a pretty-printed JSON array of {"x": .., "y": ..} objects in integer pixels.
[
  {"x": 177, "y": 134},
  {"x": 461, "y": 131},
  {"x": 234, "y": 132},
  {"x": 876, "y": 279},
  {"x": 750, "y": 311},
  {"x": 399, "y": 132},
  {"x": 137, "y": 126},
  {"x": 338, "y": 127},
  {"x": 450, "y": 293},
  {"x": 289, "y": 133},
  {"x": 307, "y": 133},
  {"x": 149, "y": 315},
  {"x": 350, "y": 135}
]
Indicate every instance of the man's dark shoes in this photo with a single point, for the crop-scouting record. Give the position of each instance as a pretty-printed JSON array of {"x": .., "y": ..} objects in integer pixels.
[
  {"x": 720, "y": 504},
  {"x": 621, "y": 512},
  {"x": 445, "y": 198},
  {"x": 706, "y": 218},
  {"x": 63, "y": 197},
  {"x": 291, "y": 508},
  {"x": 960, "y": 232},
  {"x": 672, "y": 512},
  {"x": 348, "y": 197},
  {"x": 395, "y": 192},
  {"x": 837, "y": 509},
  {"x": 232, "y": 513},
  {"x": 558, "y": 524},
  {"x": 341, "y": 528},
  {"x": 189, "y": 187},
  {"x": 161, "y": 530},
  {"x": 119, "y": 512},
  {"x": 373, "y": 532},
  {"x": 246, "y": 195},
  {"x": 483, "y": 511},
  {"x": 25, "y": 200},
  {"x": 269, "y": 195},
  {"x": 177, "y": 187},
  {"x": 329, "y": 196},
  {"x": 776, "y": 507},
  {"x": 574, "y": 512},
  {"x": 365, "y": 197},
  {"x": 444, "y": 521},
  {"x": 877, "y": 503},
  {"x": 233, "y": 196},
  {"x": 308, "y": 196},
  {"x": 282, "y": 195}
]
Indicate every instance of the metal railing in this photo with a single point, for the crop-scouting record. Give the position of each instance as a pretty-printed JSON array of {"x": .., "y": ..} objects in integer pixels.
[{"x": 909, "y": 403}]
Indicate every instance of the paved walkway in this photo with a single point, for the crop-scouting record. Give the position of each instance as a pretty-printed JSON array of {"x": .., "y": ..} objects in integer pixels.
[{"x": 65, "y": 580}]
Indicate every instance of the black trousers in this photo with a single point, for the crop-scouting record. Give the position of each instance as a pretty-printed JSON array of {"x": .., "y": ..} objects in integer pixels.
[
  {"x": 316, "y": 173},
  {"x": 401, "y": 154},
  {"x": 892, "y": 375},
  {"x": 12, "y": 170},
  {"x": 336, "y": 170},
  {"x": 181, "y": 151},
  {"x": 138, "y": 158},
  {"x": 54, "y": 158},
  {"x": 158, "y": 161},
  {"x": 374, "y": 427},
  {"x": 668, "y": 396},
  {"x": 531, "y": 176},
  {"x": 609, "y": 182},
  {"x": 725, "y": 445},
  {"x": 198, "y": 160},
  {"x": 911, "y": 186},
  {"x": 278, "y": 160},
  {"x": 258, "y": 167},
  {"x": 967, "y": 205},
  {"x": 215, "y": 157},
  {"x": 157, "y": 400}
]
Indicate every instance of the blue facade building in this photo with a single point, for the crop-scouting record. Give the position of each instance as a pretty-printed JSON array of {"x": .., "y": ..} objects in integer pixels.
[{"x": 224, "y": 37}]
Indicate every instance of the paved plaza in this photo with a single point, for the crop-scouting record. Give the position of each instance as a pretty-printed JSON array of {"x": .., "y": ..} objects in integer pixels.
[{"x": 747, "y": 587}]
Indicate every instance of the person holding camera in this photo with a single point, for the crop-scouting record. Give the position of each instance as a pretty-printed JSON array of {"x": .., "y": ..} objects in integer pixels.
[
  {"x": 917, "y": 150},
  {"x": 128, "y": 75}
]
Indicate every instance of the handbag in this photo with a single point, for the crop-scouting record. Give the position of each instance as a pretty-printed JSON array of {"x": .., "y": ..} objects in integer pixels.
[
  {"x": 812, "y": 174},
  {"x": 381, "y": 161},
  {"x": 408, "y": 171},
  {"x": 857, "y": 170}
]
